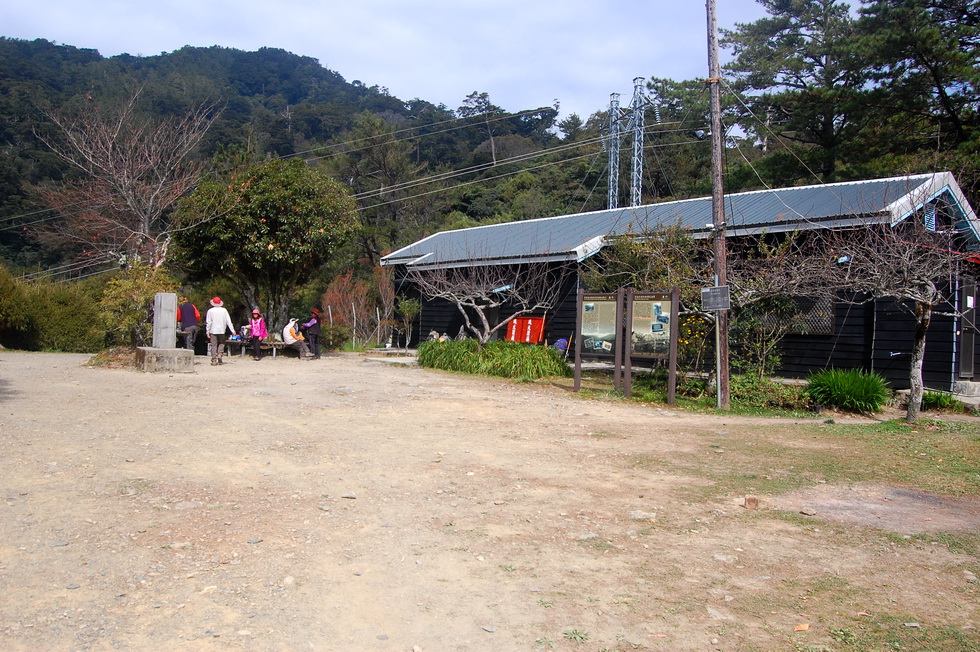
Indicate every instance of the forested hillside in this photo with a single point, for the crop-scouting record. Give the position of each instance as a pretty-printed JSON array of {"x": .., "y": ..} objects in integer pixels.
[{"x": 815, "y": 93}]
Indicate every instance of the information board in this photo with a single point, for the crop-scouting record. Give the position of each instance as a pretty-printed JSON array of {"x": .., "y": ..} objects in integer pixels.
[
  {"x": 650, "y": 325},
  {"x": 600, "y": 313}
]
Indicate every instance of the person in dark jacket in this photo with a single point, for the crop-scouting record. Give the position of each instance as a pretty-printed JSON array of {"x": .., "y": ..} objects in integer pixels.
[
  {"x": 312, "y": 329},
  {"x": 188, "y": 321}
]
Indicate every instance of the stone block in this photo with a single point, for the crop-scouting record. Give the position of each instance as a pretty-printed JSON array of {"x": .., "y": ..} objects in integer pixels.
[{"x": 168, "y": 360}]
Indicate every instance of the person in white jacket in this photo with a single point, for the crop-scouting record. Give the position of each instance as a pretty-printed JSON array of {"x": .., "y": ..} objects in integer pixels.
[
  {"x": 293, "y": 338},
  {"x": 217, "y": 325}
]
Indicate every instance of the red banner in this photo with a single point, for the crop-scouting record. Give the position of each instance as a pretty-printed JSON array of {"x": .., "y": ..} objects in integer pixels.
[{"x": 529, "y": 330}]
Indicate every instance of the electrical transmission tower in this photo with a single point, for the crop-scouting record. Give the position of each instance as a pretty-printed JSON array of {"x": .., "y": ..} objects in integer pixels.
[
  {"x": 614, "y": 118},
  {"x": 621, "y": 121}
]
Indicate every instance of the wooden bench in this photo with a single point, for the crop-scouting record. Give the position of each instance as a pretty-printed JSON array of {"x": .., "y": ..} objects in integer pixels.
[{"x": 244, "y": 346}]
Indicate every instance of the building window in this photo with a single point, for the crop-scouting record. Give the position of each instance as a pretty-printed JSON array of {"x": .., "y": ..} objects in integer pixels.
[{"x": 813, "y": 317}]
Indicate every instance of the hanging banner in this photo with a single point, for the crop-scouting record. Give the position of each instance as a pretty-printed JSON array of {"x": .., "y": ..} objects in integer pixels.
[{"x": 527, "y": 330}]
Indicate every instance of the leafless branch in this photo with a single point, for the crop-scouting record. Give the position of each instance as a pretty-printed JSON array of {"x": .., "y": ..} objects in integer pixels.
[{"x": 133, "y": 170}]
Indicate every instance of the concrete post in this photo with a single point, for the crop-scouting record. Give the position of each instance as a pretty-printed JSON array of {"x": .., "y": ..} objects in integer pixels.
[{"x": 165, "y": 320}]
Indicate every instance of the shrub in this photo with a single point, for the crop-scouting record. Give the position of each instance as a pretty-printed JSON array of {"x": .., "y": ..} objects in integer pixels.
[
  {"x": 66, "y": 317},
  {"x": 942, "y": 401},
  {"x": 854, "y": 390},
  {"x": 452, "y": 355},
  {"x": 49, "y": 316},
  {"x": 333, "y": 337},
  {"x": 748, "y": 390},
  {"x": 504, "y": 359},
  {"x": 752, "y": 390},
  {"x": 15, "y": 318},
  {"x": 516, "y": 360},
  {"x": 127, "y": 302}
]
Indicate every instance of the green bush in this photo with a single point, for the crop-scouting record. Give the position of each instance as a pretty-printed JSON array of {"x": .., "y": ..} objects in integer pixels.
[
  {"x": 66, "y": 317},
  {"x": 44, "y": 316},
  {"x": 853, "y": 390},
  {"x": 333, "y": 337},
  {"x": 747, "y": 390},
  {"x": 127, "y": 302},
  {"x": 504, "y": 359},
  {"x": 452, "y": 355},
  {"x": 15, "y": 317}
]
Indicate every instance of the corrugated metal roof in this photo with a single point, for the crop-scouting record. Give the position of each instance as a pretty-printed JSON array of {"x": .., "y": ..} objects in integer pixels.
[{"x": 578, "y": 236}]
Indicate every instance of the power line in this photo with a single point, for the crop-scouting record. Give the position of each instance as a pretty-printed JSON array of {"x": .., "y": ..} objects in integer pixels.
[
  {"x": 468, "y": 120},
  {"x": 68, "y": 268},
  {"x": 474, "y": 181},
  {"x": 443, "y": 176}
]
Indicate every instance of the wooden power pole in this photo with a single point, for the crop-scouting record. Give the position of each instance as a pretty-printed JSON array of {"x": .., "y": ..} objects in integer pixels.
[{"x": 718, "y": 205}]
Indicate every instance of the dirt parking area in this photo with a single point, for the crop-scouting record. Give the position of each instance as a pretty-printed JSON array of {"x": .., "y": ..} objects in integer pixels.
[{"x": 353, "y": 504}]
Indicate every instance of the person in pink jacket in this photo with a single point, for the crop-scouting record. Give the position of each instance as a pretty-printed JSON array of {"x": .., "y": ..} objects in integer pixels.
[{"x": 257, "y": 329}]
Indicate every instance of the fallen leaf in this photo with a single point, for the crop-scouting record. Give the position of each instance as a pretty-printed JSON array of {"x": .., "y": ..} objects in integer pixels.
[{"x": 802, "y": 627}]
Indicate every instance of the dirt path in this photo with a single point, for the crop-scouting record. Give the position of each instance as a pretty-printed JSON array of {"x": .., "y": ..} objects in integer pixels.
[{"x": 350, "y": 504}]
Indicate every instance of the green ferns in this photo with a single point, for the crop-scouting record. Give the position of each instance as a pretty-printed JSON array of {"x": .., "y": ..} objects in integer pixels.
[{"x": 505, "y": 359}]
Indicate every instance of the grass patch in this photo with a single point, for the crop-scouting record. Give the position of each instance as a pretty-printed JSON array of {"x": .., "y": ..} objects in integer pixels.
[
  {"x": 959, "y": 543},
  {"x": 933, "y": 456},
  {"x": 120, "y": 357},
  {"x": 898, "y": 632}
]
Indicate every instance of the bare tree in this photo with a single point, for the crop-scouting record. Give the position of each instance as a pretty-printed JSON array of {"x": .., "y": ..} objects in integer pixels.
[
  {"x": 910, "y": 263},
  {"x": 760, "y": 267},
  {"x": 768, "y": 275},
  {"x": 133, "y": 171},
  {"x": 479, "y": 291}
]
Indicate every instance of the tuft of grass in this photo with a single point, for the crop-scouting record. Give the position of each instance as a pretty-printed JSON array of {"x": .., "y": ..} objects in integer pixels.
[
  {"x": 576, "y": 635},
  {"x": 933, "y": 401},
  {"x": 853, "y": 390},
  {"x": 523, "y": 362}
]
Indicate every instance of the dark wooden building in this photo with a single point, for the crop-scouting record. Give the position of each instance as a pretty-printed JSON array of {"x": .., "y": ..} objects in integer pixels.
[{"x": 874, "y": 336}]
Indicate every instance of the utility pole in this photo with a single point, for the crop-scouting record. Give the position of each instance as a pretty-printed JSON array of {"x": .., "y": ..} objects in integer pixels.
[
  {"x": 718, "y": 206},
  {"x": 613, "y": 199}
]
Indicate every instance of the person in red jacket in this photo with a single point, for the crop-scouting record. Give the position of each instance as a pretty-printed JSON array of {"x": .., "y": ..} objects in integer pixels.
[
  {"x": 258, "y": 332},
  {"x": 188, "y": 320}
]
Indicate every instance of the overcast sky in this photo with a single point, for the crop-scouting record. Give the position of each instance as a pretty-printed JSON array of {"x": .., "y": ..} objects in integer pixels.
[{"x": 524, "y": 53}]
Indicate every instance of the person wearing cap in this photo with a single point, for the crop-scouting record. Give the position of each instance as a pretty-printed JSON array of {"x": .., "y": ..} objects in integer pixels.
[
  {"x": 294, "y": 339},
  {"x": 217, "y": 325},
  {"x": 312, "y": 329},
  {"x": 258, "y": 331}
]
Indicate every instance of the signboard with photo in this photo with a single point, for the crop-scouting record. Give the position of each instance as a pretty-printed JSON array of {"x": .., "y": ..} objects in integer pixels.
[
  {"x": 600, "y": 313},
  {"x": 650, "y": 325}
]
